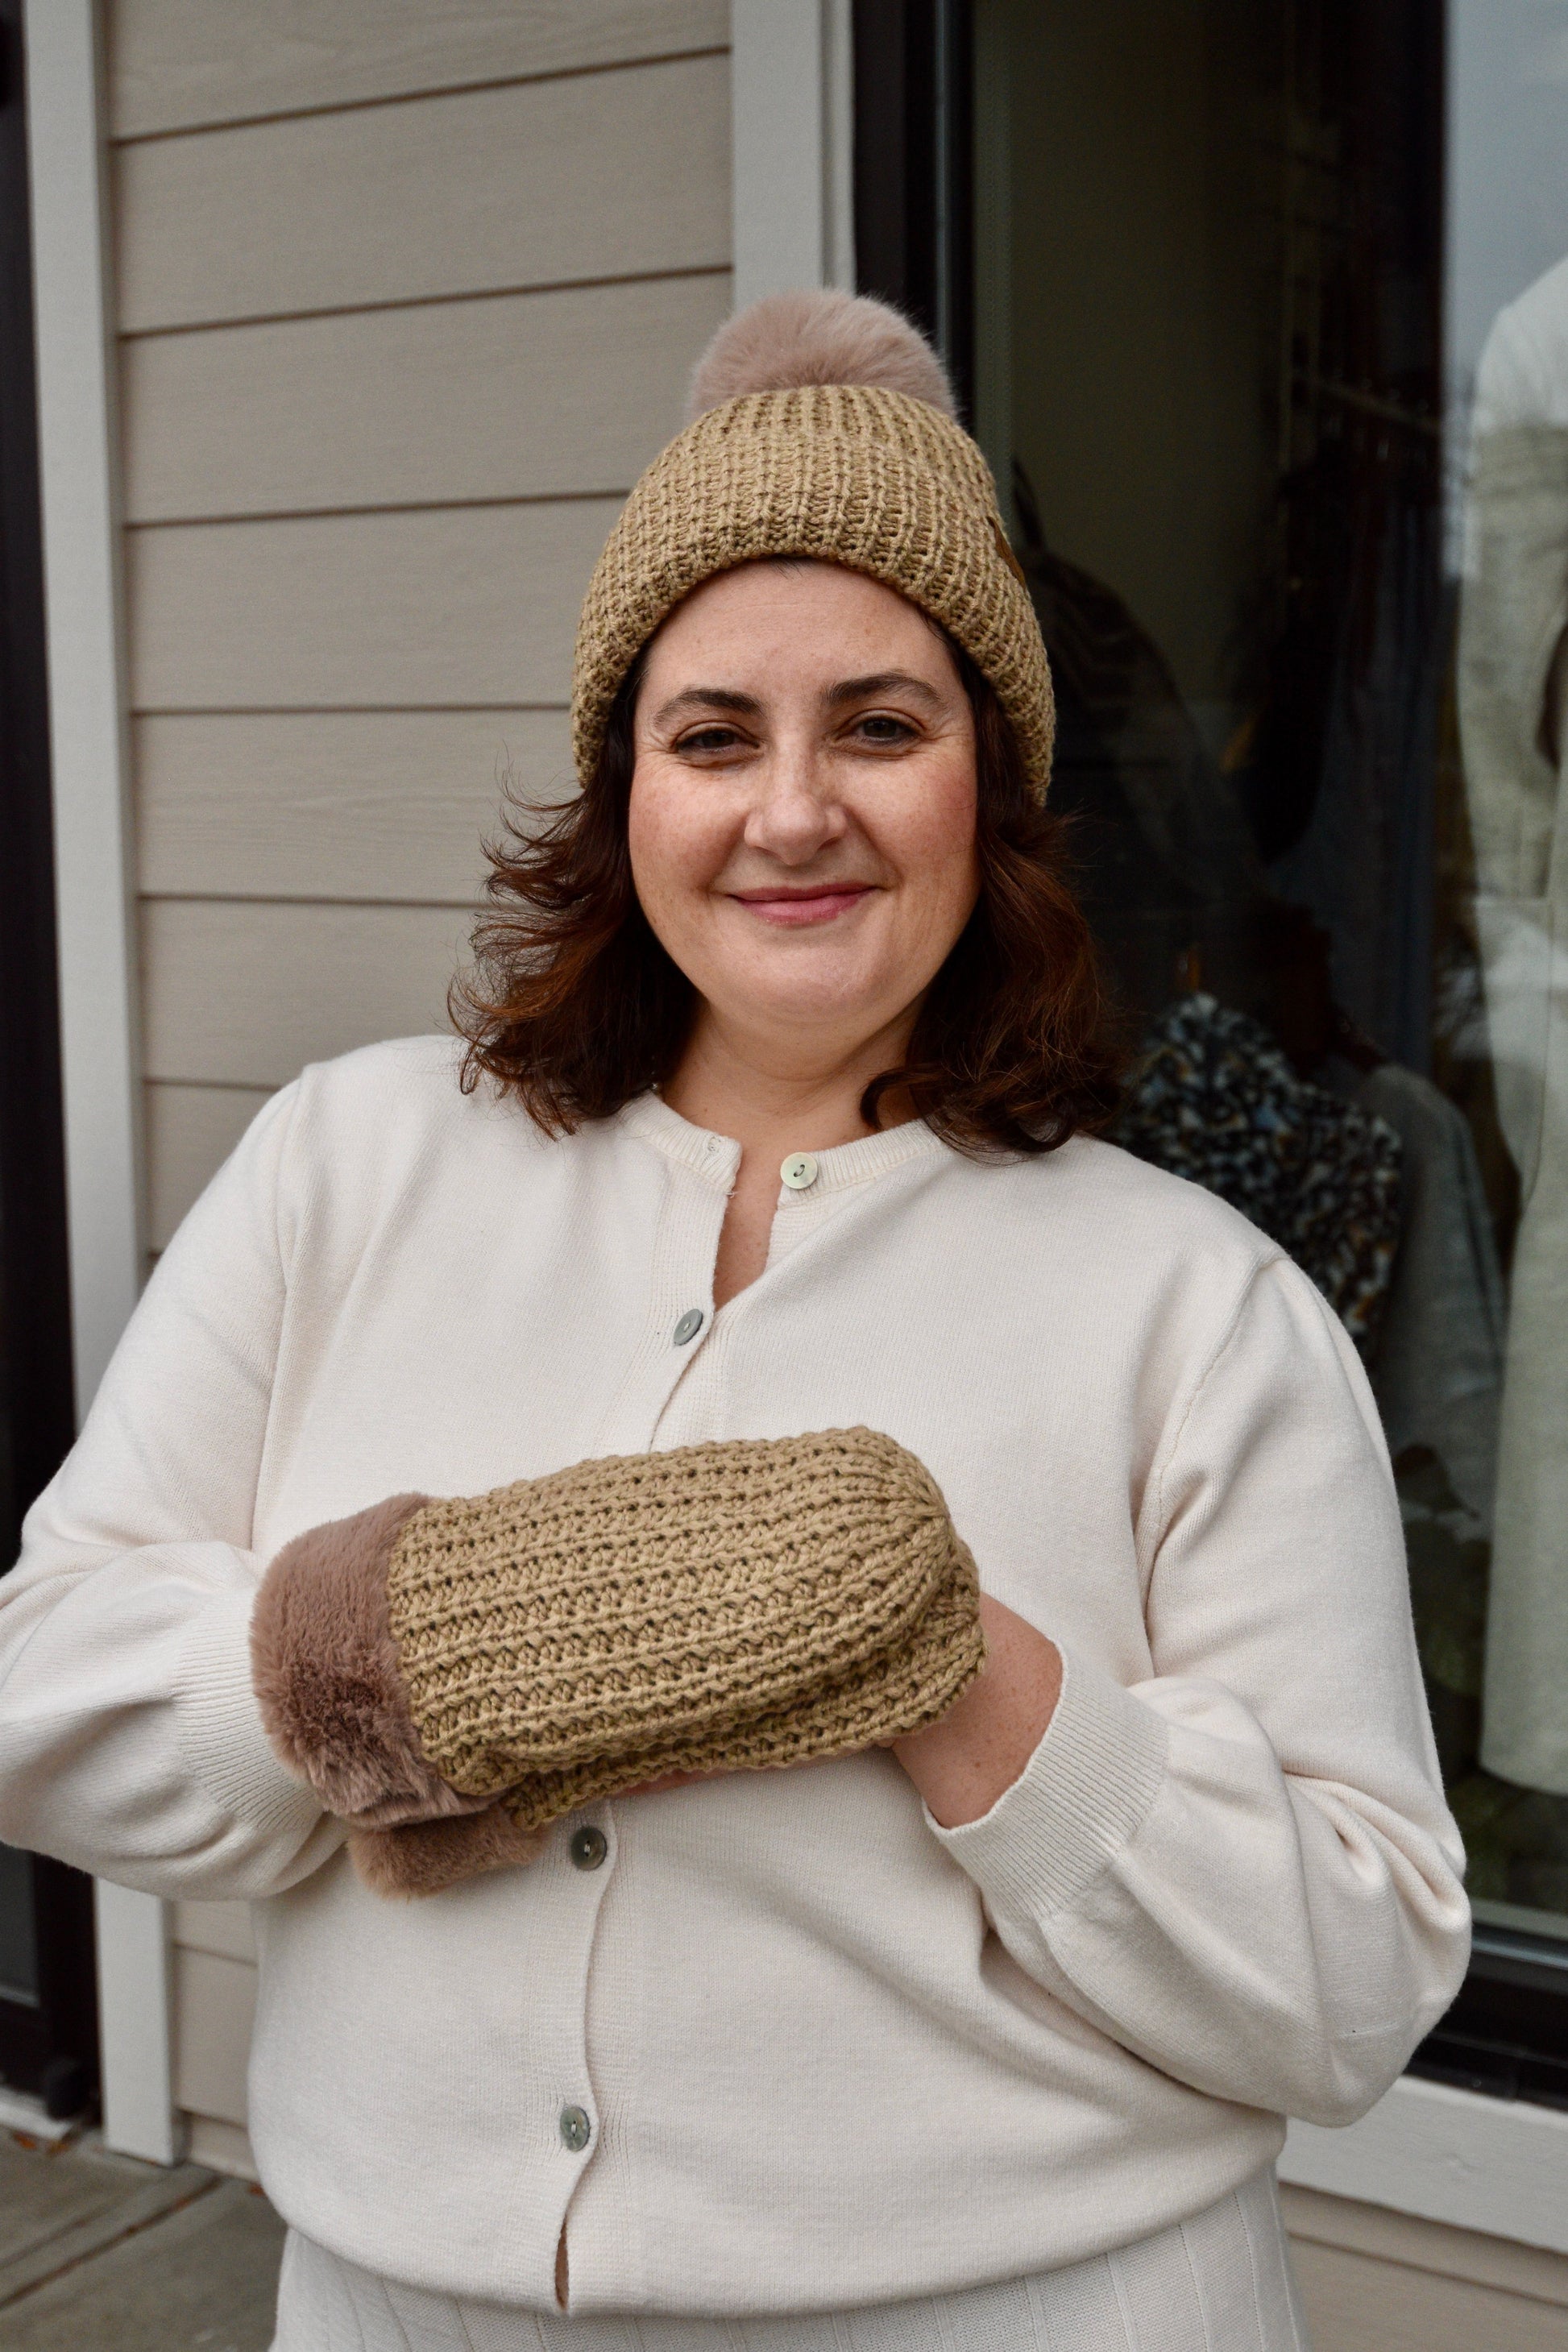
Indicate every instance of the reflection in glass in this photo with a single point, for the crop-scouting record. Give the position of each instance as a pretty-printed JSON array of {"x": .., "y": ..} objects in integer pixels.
[{"x": 1512, "y": 645}]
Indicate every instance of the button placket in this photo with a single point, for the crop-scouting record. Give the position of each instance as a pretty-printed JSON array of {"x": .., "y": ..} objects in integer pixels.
[
  {"x": 680, "y": 1323},
  {"x": 588, "y": 1849}
]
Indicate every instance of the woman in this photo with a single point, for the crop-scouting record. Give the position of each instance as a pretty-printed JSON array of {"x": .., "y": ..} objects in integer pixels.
[{"x": 984, "y": 2033}]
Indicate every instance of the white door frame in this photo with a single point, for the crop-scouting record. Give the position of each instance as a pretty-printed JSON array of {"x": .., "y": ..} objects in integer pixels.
[
  {"x": 792, "y": 114},
  {"x": 94, "y": 888}
]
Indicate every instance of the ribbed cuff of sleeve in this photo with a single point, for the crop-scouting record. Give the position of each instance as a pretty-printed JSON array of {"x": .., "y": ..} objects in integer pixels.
[
  {"x": 1081, "y": 1797},
  {"x": 220, "y": 1731}
]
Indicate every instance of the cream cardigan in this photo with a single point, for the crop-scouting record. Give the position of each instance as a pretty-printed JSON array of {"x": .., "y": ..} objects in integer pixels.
[{"x": 826, "y": 2051}]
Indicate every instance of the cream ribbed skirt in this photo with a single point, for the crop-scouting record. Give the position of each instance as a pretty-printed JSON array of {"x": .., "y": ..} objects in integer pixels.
[{"x": 1219, "y": 2282}]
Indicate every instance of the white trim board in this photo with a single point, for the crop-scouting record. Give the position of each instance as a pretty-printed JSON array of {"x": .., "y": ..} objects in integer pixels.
[
  {"x": 791, "y": 69},
  {"x": 1497, "y": 2164},
  {"x": 94, "y": 908},
  {"x": 87, "y": 716}
]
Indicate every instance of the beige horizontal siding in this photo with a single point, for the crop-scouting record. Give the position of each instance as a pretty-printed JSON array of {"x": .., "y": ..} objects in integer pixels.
[
  {"x": 222, "y": 2148},
  {"x": 189, "y": 1133},
  {"x": 1377, "y": 2281},
  {"x": 223, "y": 1928},
  {"x": 513, "y": 397},
  {"x": 613, "y": 175},
  {"x": 214, "y": 2008},
  {"x": 244, "y": 995},
  {"x": 1358, "y": 2303},
  {"x": 451, "y": 605},
  {"x": 368, "y": 805},
  {"x": 408, "y": 293},
  {"x": 175, "y": 63}
]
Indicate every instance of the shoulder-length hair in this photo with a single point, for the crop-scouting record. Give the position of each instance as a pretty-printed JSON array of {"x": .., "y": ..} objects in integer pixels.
[{"x": 574, "y": 1007}]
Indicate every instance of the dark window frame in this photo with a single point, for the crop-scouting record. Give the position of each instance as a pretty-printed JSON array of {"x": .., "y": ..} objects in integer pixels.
[
  {"x": 48, "y": 2048},
  {"x": 1507, "y": 2032},
  {"x": 913, "y": 180}
]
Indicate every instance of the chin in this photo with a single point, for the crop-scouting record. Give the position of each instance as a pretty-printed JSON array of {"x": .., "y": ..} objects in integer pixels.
[{"x": 857, "y": 1012}]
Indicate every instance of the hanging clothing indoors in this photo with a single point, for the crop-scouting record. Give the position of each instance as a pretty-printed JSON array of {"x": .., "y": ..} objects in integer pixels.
[
  {"x": 807, "y": 1666},
  {"x": 1437, "y": 1372},
  {"x": 1213, "y": 1099}
]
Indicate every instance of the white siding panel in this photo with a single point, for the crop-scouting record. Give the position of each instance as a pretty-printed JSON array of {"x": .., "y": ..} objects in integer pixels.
[
  {"x": 329, "y": 804},
  {"x": 175, "y": 63},
  {"x": 245, "y": 995},
  {"x": 506, "y": 396},
  {"x": 606, "y": 175},
  {"x": 189, "y": 1133},
  {"x": 465, "y": 605},
  {"x": 214, "y": 2005}
]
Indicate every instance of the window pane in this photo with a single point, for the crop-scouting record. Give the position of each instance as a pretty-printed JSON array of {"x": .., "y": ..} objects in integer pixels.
[{"x": 1271, "y": 361}]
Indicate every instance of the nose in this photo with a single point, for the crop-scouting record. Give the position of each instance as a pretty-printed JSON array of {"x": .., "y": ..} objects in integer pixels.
[{"x": 797, "y": 811}]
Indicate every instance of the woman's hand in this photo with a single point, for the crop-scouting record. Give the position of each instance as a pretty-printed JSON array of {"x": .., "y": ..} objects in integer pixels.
[{"x": 961, "y": 1764}]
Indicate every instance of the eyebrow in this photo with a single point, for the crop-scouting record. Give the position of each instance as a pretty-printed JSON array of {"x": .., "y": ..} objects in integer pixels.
[
  {"x": 708, "y": 698},
  {"x": 747, "y": 706},
  {"x": 882, "y": 681}
]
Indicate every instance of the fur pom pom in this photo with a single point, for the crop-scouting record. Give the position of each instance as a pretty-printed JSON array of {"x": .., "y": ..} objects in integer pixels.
[{"x": 821, "y": 337}]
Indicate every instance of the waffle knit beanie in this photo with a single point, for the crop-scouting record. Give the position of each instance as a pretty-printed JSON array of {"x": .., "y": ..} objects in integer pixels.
[{"x": 822, "y": 426}]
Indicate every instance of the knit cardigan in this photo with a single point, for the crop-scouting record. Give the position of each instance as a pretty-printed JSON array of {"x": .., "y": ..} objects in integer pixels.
[{"x": 780, "y": 2041}]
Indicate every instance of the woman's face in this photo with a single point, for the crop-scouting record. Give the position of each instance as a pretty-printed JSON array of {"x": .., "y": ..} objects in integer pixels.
[{"x": 802, "y": 818}]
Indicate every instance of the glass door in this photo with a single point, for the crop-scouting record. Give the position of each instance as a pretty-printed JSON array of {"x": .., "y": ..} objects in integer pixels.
[
  {"x": 1261, "y": 308},
  {"x": 48, "y": 2022},
  {"x": 18, "y": 1932}
]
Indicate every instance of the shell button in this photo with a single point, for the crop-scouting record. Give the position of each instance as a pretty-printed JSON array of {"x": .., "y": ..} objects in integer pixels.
[
  {"x": 799, "y": 1171},
  {"x": 575, "y": 2129},
  {"x": 689, "y": 1325},
  {"x": 588, "y": 1847}
]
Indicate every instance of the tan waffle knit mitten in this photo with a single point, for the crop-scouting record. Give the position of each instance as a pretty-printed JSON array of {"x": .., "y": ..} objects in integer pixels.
[{"x": 716, "y": 1608}]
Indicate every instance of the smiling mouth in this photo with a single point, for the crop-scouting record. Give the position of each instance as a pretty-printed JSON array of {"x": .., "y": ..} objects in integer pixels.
[{"x": 794, "y": 907}]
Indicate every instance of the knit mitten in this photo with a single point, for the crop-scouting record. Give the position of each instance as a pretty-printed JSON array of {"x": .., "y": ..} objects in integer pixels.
[
  {"x": 327, "y": 1677},
  {"x": 716, "y": 1608}
]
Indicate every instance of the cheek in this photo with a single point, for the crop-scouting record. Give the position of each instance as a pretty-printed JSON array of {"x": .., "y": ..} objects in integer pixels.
[
  {"x": 670, "y": 840},
  {"x": 933, "y": 841}
]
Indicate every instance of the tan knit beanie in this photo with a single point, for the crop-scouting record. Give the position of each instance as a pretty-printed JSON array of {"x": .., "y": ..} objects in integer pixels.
[{"x": 823, "y": 426}]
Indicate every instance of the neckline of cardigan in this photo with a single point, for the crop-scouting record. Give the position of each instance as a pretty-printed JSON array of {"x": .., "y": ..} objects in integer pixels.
[{"x": 715, "y": 1158}]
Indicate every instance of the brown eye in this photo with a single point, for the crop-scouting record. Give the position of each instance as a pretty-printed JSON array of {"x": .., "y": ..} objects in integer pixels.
[
  {"x": 880, "y": 727},
  {"x": 709, "y": 738}
]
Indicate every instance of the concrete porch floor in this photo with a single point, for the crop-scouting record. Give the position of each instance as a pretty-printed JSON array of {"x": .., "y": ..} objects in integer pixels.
[{"x": 100, "y": 2254}]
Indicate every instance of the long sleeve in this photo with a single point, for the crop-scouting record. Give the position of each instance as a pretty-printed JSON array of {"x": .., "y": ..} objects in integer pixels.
[
  {"x": 130, "y": 1739},
  {"x": 1242, "y": 1868}
]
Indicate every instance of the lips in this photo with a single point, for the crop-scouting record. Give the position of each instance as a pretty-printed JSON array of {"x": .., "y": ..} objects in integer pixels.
[{"x": 795, "y": 909}]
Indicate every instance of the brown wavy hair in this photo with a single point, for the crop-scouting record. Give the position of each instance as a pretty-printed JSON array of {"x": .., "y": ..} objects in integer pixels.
[{"x": 574, "y": 1007}]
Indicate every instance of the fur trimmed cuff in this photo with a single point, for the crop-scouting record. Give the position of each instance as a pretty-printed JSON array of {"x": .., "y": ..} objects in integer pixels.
[
  {"x": 328, "y": 1678},
  {"x": 426, "y": 1857}
]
